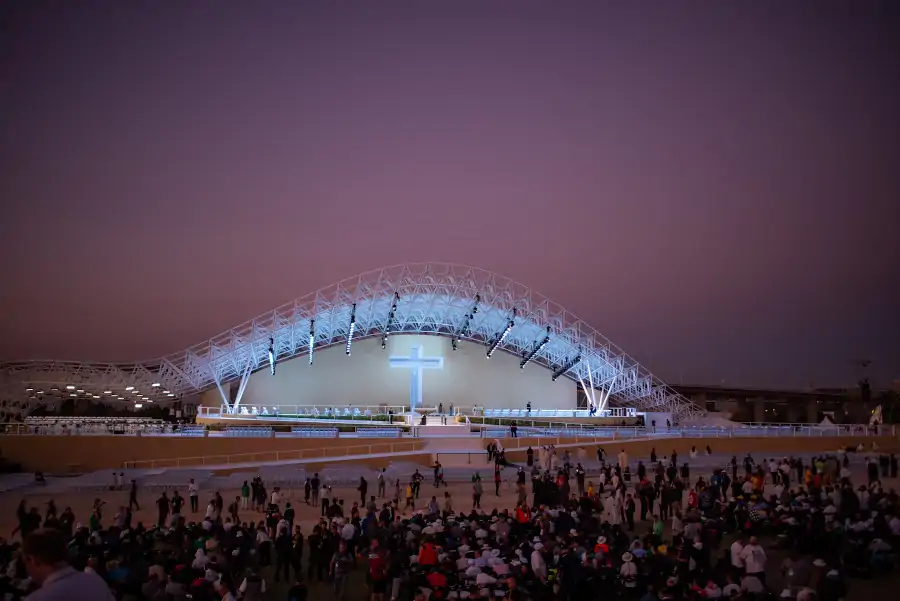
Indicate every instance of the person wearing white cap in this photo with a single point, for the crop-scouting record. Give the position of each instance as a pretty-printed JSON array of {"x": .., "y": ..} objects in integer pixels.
[
  {"x": 538, "y": 565},
  {"x": 628, "y": 571}
]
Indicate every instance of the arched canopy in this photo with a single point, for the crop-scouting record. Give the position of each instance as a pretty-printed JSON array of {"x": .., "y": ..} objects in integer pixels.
[{"x": 421, "y": 298}]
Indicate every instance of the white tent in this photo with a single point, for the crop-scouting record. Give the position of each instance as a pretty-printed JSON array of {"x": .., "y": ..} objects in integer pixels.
[{"x": 826, "y": 422}]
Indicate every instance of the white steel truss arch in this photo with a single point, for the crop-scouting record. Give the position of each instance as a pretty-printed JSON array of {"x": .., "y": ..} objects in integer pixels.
[{"x": 434, "y": 298}]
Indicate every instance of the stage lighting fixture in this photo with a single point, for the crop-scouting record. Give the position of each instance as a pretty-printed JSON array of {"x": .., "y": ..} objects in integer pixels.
[
  {"x": 351, "y": 329},
  {"x": 537, "y": 348},
  {"x": 392, "y": 316},
  {"x": 499, "y": 339},
  {"x": 467, "y": 321},
  {"x": 566, "y": 367},
  {"x": 312, "y": 338},
  {"x": 272, "y": 356}
]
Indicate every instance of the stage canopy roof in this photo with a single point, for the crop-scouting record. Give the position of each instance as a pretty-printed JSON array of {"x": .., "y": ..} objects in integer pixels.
[{"x": 470, "y": 305}]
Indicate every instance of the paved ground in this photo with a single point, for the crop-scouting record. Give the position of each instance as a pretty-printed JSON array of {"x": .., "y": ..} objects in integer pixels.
[{"x": 81, "y": 502}]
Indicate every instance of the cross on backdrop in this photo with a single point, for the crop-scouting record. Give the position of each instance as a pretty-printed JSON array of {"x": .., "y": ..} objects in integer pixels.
[{"x": 416, "y": 363}]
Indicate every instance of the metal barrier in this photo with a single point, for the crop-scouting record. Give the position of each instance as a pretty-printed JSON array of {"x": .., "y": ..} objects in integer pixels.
[
  {"x": 315, "y": 432},
  {"x": 324, "y": 453}
]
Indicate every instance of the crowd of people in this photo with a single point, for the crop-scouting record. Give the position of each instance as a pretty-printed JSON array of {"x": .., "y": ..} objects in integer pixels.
[{"x": 648, "y": 531}]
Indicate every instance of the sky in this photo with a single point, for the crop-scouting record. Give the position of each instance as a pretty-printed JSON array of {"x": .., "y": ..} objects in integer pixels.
[{"x": 714, "y": 186}]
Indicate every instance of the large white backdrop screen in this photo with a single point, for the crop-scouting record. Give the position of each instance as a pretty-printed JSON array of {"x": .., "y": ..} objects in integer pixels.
[{"x": 366, "y": 378}]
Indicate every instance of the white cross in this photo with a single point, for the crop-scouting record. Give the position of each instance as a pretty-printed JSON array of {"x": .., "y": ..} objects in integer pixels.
[{"x": 416, "y": 363}]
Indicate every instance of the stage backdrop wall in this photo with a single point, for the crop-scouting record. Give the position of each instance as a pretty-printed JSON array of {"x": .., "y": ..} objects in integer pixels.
[{"x": 366, "y": 378}]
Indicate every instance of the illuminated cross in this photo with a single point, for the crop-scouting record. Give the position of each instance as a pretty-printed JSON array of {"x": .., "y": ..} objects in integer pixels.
[{"x": 416, "y": 363}]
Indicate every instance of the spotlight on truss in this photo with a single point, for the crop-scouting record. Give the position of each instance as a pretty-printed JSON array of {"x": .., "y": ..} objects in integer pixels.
[
  {"x": 467, "y": 321},
  {"x": 351, "y": 329},
  {"x": 566, "y": 367},
  {"x": 534, "y": 351},
  {"x": 392, "y": 316},
  {"x": 272, "y": 356},
  {"x": 499, "y": 339}
]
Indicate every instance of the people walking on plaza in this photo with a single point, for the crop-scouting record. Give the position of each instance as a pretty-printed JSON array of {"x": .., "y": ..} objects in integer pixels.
[
  {"x": 314, "y": 483},
  {"x": 132, "y": 496}
]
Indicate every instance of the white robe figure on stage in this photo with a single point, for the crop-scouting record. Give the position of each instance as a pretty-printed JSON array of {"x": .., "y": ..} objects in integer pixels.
[
  {"x": 623, "y": 459},
  {"x": 611, "y": 511}
]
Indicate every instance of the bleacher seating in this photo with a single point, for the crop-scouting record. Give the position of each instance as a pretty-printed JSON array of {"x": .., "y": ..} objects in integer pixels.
[
  {"x": 96, "y": 425},
  {"x": 314, "y": 432},
  {"x": 192, "y": 430},
  {"x": 379, "y": 432},
  {"x": 249, "y": 431}
]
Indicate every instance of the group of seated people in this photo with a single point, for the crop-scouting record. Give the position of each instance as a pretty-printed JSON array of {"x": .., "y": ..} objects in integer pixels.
[{"x": 569, "y": 544}]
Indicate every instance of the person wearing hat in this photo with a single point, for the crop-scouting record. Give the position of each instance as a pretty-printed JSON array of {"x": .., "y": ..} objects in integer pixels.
[{"x": 628, "y": 571}]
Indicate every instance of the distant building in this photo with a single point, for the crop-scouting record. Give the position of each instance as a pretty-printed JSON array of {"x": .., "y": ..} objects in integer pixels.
[{"x": 776, "y": 406}]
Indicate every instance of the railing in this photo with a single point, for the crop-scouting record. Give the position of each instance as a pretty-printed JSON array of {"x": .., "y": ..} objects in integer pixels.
[
  {"x": 327, "y": 452},
  {"x": 193, "y": 431},
  {"x": 308, "y": 411},
  {"x": 742, "y": 430},
  {"x": 544, "y": 413}
]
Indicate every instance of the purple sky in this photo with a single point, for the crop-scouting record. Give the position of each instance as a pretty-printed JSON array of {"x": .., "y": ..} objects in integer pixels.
[{"x": 715, "y": 189}]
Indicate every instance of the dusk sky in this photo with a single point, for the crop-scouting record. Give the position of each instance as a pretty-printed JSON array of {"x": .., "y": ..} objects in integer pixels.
[{"x": 715, "y": 186}]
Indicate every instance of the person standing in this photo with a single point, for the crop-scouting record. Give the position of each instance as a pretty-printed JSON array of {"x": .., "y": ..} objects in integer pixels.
[
  {"x": 194, "y": 495},
  {"x": 629, "y": 512},
  {"x": 132, "y": 497},
  {"x": 477, "y": 491},
  {"x": 314, "y": 485},
  {"x": 315, "y": 564},
  {"x": 297, "y": 552},
  {"x": 381, "y": 483},
  {"x": 363, "y": 488},
  {"x": 245, "y": 495},
  {"x": 325, "y": 499},
  {"x": 162, "y": 507},
  {"x": 754, "y": 560},
  {"x": 284, "y": 550},
  {"x": 341, "y": 563}
]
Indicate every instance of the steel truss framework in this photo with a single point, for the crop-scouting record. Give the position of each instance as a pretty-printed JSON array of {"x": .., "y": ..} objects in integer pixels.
[{"x": 434, "y": 298}]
